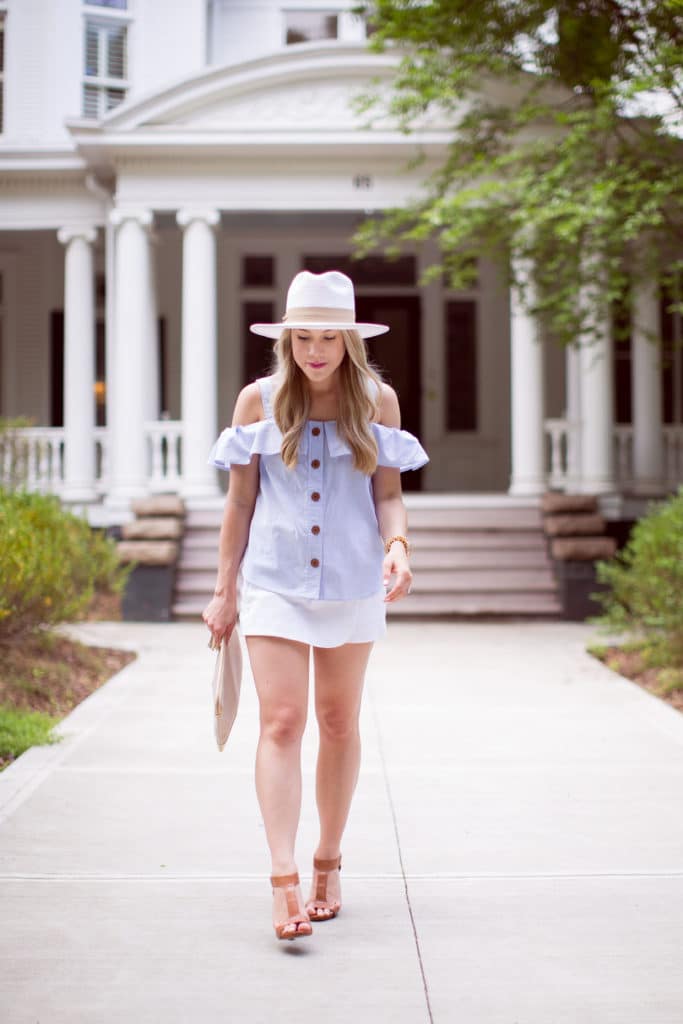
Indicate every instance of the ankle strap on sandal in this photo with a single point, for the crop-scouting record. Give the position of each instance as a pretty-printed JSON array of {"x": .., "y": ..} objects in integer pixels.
[
  {"x": 281, "y": 881},
  {"x": 327, "y": 865}
]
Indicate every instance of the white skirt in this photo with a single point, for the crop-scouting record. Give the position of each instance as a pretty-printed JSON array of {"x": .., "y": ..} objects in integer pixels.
[{"x": 319, "y": 623}]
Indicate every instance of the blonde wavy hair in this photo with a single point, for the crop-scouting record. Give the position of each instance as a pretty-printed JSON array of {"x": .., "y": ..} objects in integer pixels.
[{"x": 356, "y": 409}]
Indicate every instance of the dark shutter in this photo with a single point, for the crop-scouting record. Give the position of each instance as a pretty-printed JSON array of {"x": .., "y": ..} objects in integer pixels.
[
  {"x": 258, "y": 351},
  {"x": 461, "y": 365}
]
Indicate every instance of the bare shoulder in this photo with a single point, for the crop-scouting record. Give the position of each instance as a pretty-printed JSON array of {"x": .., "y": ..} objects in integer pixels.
[
  {"x": 390, "y": 411},
  {"x": 248, "y": 407}
]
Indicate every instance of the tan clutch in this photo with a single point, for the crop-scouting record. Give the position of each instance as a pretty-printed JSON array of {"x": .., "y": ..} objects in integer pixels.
[{"x": 227, "y": 679}]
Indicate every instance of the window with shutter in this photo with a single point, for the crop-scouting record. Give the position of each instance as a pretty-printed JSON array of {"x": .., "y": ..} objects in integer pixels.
[
  {"x": 91, "y": 101},
  {"x": 116, "y": 53},
  {"x": 303, "y": 26},
  {"x": 106, "y": 70}
]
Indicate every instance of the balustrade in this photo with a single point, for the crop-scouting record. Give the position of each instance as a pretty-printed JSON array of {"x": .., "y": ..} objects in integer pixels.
[
  {"x": 164, "y": 438},
  {"x": 33, "y": 457},
  {"x": 558, "y": 452},
  {"x": 673, "y": 454},
  {"x": 623, "y": 454},
  {"x": 557, "y": 432}
]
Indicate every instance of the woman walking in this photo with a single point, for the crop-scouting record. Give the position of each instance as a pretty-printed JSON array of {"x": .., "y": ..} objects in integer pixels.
[{"x": 315, "y": 519}]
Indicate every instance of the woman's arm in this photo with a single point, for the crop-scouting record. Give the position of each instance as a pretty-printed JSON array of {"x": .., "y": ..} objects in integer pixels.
[
  {"x": 391, "y": 513},
  {"x": 221, "y": 612}
]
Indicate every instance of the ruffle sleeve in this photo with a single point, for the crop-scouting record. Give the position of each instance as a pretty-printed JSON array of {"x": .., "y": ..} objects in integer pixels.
[
  {"x": 236, "y": 445},
  {"x": 398, "y": 448}
]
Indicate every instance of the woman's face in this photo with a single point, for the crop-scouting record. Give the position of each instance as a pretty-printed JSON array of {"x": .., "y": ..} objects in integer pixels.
[{"x": 318, "y": 354}]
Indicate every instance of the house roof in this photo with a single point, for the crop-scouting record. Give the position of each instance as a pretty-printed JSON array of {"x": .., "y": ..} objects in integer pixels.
[{"x": 304, "y": 96}]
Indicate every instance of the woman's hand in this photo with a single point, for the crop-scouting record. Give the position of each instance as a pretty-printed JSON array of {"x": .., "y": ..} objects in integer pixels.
[
  {"x": 396, "y": 564},
  {"x": 220, "y": 615}
]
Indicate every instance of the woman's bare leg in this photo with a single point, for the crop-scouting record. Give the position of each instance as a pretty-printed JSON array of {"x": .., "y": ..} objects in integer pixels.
[
  {"x": 339, "y": 676},
  {"x": 280, "y": 669}
]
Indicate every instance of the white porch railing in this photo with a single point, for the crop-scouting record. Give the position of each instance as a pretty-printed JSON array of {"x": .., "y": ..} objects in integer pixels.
[
  {"x": 673, "y": 454},
  {"x": 101, "y": 460},
  {"x": 33, "y": 457},
  {"x": 562, "y": 444},
  {"x": 164, "y": 438},
  {"x": 558, "y": 453}
]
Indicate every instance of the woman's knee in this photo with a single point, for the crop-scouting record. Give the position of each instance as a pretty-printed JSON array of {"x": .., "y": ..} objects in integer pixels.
[
  {"x": 283, "y": 725},
  {"x": 337, "y": 724}
]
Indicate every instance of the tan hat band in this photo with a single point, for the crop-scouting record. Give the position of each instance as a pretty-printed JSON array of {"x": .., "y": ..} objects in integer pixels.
[{"x": 319, "y": 314}]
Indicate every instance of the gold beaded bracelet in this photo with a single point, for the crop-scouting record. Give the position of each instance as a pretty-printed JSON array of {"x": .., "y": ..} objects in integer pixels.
[{"x": 403, "y": 540}]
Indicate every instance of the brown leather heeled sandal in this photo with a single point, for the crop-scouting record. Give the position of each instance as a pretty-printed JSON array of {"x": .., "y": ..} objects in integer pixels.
[
  {"x": 294, "y": 915},
  {"x": 320, "y": 908}
]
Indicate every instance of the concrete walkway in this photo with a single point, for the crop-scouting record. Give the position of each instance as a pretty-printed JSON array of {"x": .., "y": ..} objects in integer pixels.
[{"x": 515, "y": 853}]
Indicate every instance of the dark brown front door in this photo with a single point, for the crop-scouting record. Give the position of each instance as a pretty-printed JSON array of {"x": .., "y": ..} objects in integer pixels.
[{"x": 397, "y": 354}]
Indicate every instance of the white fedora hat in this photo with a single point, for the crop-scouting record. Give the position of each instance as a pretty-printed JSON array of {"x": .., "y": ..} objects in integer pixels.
[{"x": 319, "y": 302}]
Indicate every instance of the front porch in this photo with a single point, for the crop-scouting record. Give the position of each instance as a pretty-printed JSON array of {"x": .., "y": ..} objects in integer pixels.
[
  {"x": 129, "y": 276},
  {"x": 35, "y": 458}
]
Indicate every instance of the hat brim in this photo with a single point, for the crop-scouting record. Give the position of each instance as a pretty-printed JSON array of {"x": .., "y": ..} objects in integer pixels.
[{"x": 275, "y": 330}]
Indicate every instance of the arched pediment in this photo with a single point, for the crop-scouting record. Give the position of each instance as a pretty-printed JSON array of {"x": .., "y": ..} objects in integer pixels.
[{"x": 308, "y": 89}]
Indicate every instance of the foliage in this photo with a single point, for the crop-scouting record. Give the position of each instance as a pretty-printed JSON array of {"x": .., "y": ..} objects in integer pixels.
[
  {"x": 645, "y": 583},
  {"x": 20, "y": 730},
  {"x": 51, "y": 563},
  {"x": 552, "y": 159}
]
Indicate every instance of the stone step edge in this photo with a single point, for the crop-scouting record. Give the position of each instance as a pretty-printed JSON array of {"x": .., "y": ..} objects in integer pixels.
[
  {"x": 551, "y": 609},
  {"x": 418, "y": 525},
  {"x": 549, "y": 592}
]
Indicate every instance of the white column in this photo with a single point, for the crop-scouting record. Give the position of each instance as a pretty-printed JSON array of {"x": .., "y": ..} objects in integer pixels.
[
  {"x": 527, "y": 394},
  {"x": 152, "y": 348},
  {"x": 597, "y": 407},
  {"x": 199, "y": 364},
  {"x": 109, "y": 315},
  {"x": 128, "y": 412},
  {"x": 79, "y": 363},
  {"x": 572, "y": 373},
  {"x": 646, "y": 384}
]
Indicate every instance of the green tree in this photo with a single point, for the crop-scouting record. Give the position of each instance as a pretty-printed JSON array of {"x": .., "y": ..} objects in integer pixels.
[{"x": 565, "y": 121}]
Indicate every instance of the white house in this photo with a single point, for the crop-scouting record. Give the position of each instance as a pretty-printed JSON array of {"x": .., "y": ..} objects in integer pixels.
[{"x": 166, "y": 166}]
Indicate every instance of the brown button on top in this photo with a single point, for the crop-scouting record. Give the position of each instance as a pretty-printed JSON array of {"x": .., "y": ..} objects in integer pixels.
[
  {"x": 315, "y": 530},
  {"x": 315, "y": 431},
  {"x": 315, "y": 496},
  {"x": 315, "y": 563},
  {"x": 316, "y": 463}
]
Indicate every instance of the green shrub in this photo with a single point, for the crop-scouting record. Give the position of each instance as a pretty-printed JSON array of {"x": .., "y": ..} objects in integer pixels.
[
  {"x": 51, "y": 562},
  {"x": 645, "y": 581}
]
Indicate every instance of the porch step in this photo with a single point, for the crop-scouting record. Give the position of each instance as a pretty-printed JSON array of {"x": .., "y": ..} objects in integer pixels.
[
  {"x": 435, "y": 581},
  {"x": 422, "y": 517},
  {"x": 421, "y": 539},
  {"x": 476, "y": 603},
  {"x": 468, "y": 561},
  {"x": 203, "y": 559},
  {"x": 453, "y": 605}
]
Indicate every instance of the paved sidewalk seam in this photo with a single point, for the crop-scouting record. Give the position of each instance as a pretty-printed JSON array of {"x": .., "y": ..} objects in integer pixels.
[
  {"x": 413, "y": 925},
  {"x": 356, "y": 876}
]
